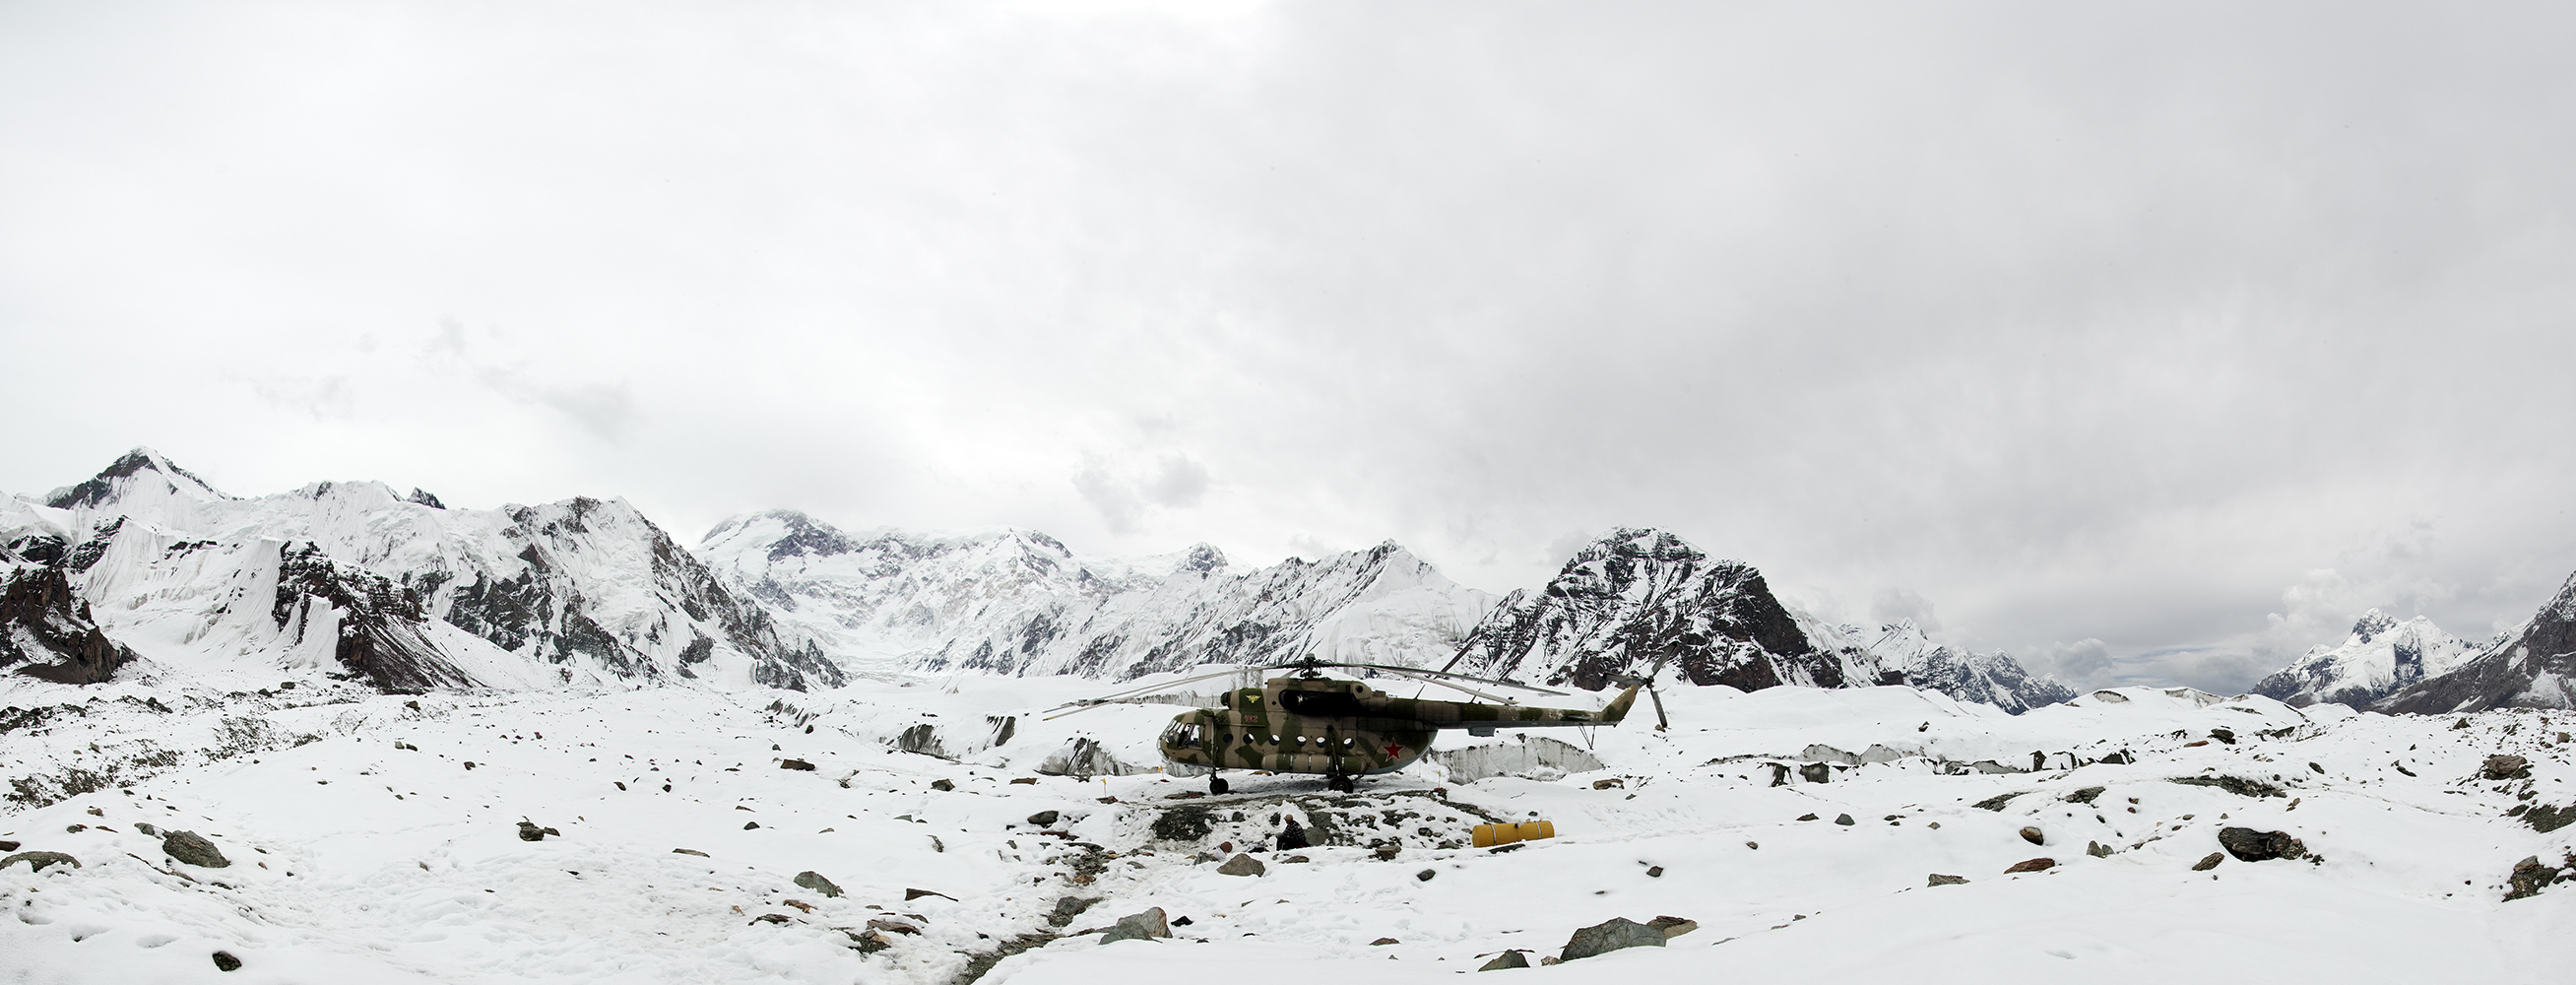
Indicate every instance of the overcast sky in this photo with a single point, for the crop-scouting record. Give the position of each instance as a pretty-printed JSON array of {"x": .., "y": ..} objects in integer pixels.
[{"x": 2150, "y": 343}]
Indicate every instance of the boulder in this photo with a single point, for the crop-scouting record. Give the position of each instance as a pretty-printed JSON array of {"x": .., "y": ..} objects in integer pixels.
[
  {"x": 1045, "y": 819},
  {"x": 2506, "y": 768},
  {"x": 2209, "y": 862},
  {"x": 810, "y": 879},
  {"x": 187, "y": 847},
  {"x": 1139, "y": 926},
  {"x": 1673, "y": 926},
  {"x": 1845, "y": 820},
  {"x": 1242, "y": 865},
  {"x": 795, "y": 764},
  {"x": 224, "y": 961},
  {"x": 1384, "y": 941},
  {"x": 2097, "y": 849},
  {"x": 2032, "y": 865},
  {"x": 1610, "y": 935},
  {"x": 2033, "y": 836},
  {"x": 1506, "y": 960},
  {"x": 2249, "y": 845},
  {"x": 37, "y": 861},
  {"x": 2528, "y": 876},
  {"x": 1938, "y": 879},
  {"x": 1068, "y": 908}
]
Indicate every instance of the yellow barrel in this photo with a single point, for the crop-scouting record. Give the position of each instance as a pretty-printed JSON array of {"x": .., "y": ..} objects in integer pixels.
[{"x": 1490, "y": 835}]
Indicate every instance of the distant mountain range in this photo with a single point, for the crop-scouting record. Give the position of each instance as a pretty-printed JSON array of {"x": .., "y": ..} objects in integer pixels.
[{"x": 146, "y": 569}]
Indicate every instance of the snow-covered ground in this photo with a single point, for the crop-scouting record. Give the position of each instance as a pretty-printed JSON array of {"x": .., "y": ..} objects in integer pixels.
[{"x": 356, "y": 858}]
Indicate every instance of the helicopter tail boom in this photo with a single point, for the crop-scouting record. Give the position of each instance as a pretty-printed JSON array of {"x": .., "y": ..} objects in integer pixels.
[{"x": 1618, "y": 707}]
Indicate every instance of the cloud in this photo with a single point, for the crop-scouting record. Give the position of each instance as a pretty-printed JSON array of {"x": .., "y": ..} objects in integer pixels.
[
  {"x": 1892, "y": 604},
  {"x": 1177, "y": 482}
]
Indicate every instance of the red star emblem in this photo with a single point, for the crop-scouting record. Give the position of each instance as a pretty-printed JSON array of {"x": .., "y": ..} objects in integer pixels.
[{"x": 1393, "y": 750}]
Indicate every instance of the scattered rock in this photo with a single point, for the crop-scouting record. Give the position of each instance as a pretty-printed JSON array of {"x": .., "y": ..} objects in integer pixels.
[
  {"x": 1806, "y": 817},
  {"x": 1506, "y": 960},
  {"x": 808, "y": 879},
  {"x": 1938, "y": 879},
  {"x": 1545, "y": 960},
  {"x": 773, "y": 918},
  {"x": 2085, "y": 796},
  {"x": 893, "y": 926},
  {"x": 1425, "y": 875},
  {"x": 2223, "y": 735},
  {"x": 74, "y": 829},
  {"x": 2528, "y": 876},
  {"x": 688, "y": 851},
  {"x": 1242, "y": 865},
  {"x": 913, "y": 894},
  {"x": 224, "y": 961},
  {"x": 1137, "y": 927},
  {"x": 750, "y": 825},
  {"x": 1997, "y": 802},
  {"x": 1044, "y": 819},
  {"x": 2321, "y": 769},
  {"x": 1673, "y": 926},
  {"x": 2209, "y": 862},
  {"x": 2097, "y": 849},
  {"x": 11, "y": 846},
  {"x": 469, "y": 764},
  {"x": 1294, "y": 858},
  {"x": 1657, "y": 871},
  {"x": 2544, "y": 818},
  {"x": 1610, "y": 935},
  {"x": 2032, "y": 865},
  {"x": 2033, "y": 836},
  {"x": 529, "y": 831},
  {"x": 37, "y": 861},
  {"x": 2506, "y": 768},
  {"x": 795, "y": 764},
  {"x": 1068, "y": 908},
  {"x": 2249, "y": 845},
  {"x": 1387, "y": 852},
  {"x": 187, "y": 847},
  {"x": 943, "y": 785},
  {"x": 1024, "y": 779},
  {"x": 2235, "y": 785},
  {"x": 1384, "y": 941},
  {"x": 1845, "y": 820},
  {"x": 1816, "y": 772},
  {"x": 1612, "y": 783}
]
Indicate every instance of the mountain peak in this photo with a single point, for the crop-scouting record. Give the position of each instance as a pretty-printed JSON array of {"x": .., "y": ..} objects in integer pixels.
[
  {"x": 133, "y": 467},
  {"x": 2371, "y": 624}
]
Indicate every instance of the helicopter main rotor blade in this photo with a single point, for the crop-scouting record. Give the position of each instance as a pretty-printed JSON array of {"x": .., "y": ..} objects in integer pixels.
[
  {"x": 1130, "y": 695},
  {"x": 1420, "y": 672}
]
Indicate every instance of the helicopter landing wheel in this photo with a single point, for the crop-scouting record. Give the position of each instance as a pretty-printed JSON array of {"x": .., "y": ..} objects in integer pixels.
[
  {"x": 1341, "y": 783},
  {"x": 1217, "y": 784}
]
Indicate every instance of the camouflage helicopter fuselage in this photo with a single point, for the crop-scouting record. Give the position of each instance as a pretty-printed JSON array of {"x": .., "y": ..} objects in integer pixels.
[{"x": 1343, "y": 727}]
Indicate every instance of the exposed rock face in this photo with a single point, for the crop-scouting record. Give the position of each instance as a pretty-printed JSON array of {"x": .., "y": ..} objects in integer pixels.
[
  {"x": 1637, "y": 595},
  {"x": 46, "y": 630},
  {"x": 400, "y": 590},
  {"x": 1992, "y": 678},
  {"x": 2531, "y": 666},
  {"x": 1021, "y": 602},
  {"x": 2380, "y": 656}
]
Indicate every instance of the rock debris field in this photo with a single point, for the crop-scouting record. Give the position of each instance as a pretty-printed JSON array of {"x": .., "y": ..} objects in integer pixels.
[{"x": 328, "y": 834}]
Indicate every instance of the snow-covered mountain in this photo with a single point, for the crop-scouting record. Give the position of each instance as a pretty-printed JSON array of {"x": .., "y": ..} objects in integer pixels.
[
  {"x": 2380, "y": 656},
  {"x": 2530, "y": 666},
  {"x": 1993, "y": 678},
  {"x": 355, "y": 579},
  {"x": 1636, "y": 596},
  {"x": 1020, "y": 602}
]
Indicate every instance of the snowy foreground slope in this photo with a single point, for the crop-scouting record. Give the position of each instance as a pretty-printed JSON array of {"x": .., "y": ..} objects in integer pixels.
[{"x": 356, "y": 857}]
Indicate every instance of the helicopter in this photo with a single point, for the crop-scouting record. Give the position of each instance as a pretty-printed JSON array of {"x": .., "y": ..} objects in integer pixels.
[{"x": 1306, "y": 722}]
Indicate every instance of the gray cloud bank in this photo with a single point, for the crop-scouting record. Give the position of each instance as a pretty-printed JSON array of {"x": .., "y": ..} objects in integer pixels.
[{"x": 2152, "y": 342}]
